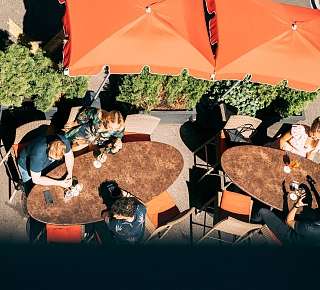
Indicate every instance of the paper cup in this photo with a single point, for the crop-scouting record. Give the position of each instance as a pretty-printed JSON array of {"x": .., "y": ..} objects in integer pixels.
[
  {"x": 286, "y": 169},
  {"x": 97, "y": 164},
  {"x": 293, "y": 196}
]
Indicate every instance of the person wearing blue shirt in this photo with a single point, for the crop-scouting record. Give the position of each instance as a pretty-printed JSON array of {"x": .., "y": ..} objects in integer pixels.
[
  {"x": 126, "y": 220},
  {"x": 41, "y": 153}
]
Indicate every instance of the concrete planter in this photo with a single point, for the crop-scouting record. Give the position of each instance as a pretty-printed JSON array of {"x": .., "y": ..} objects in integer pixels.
[
  {"x": 293, "y": 119},
  {"x": 174, "y": 117}
]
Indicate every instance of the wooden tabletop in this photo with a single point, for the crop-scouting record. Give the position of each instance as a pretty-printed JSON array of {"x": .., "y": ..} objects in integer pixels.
[
  {"x": 145, "y": 169},
  {"x": 259, "y": 172}
]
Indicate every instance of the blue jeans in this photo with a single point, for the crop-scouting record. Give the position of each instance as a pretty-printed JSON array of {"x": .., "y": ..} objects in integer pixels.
[{"x": 24, "y": 174}]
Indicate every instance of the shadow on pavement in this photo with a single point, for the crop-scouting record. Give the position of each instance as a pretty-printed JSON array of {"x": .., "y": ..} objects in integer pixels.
[{"x": 43, "y": 19}]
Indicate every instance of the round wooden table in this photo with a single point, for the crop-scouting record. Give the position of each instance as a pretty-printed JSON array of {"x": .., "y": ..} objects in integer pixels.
[
  {"x": 145, "y": 169},
  {"x": 259, "y": 172}
]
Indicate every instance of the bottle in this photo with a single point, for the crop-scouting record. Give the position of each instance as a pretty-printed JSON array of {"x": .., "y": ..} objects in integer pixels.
[{"x": 286, "y": 161}]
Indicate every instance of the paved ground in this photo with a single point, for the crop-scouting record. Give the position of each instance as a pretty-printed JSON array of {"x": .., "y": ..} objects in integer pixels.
[{"x": 13, "y": 225}]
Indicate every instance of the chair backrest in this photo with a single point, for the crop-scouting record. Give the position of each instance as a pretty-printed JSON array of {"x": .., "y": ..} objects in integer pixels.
[
  {"x": 161, "y": 231},
  {"x": 73, "y": 113},
  {"x": 270, "y": 236},
  {"x": 22, "y": 132},
  {"x": 37, "y": 128},
  {"x": 230, "y": 226},
  {"x": 141, "y": 123},
  {"x": 161, "y": 209},
  {"x": 236, "y": 203},
  {"x": 235, "y": 227},
  {"x": 239, "y": 121},
  {"x": 64, "y": 234}
]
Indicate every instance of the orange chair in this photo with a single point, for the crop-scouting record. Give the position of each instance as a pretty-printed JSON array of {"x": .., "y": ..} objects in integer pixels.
[
  {"x": 64, "y": 234},
  {"x": 139, "y": 127},
  {"x": 161, "y": 209},
  {"x": 234, "y": 204},
  {"x": 232, "y": 216},
  {"x": 163, "y": 215}
]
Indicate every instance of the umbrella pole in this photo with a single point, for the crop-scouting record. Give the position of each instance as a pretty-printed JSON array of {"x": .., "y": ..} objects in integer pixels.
[
  {"x": 101, "y": 87},
  {"x": 232, "y": 88}
]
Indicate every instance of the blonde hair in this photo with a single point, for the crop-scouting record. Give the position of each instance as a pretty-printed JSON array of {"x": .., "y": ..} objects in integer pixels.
[
  {"x": 56, "y": 149},
  {"x": 315, "y": 128},
  {"x": 113, "y": 117}
]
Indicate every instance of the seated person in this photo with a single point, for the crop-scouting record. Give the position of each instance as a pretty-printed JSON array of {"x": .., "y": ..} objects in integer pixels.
[
  {"x": 291, "y": 232},
  {"x": 97, "y": 127},
  {"x": 41, "y": 153},
  {"x": 302, "y": 140},
  {"x": 126, "y": 220}
]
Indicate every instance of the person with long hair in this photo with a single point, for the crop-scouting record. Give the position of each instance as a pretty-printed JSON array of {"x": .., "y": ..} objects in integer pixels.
[
  {"x": 97, "y": 127},
  {"x": 302, "y": 140}
]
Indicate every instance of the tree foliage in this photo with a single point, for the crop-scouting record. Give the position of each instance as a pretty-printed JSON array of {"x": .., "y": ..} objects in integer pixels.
[{"x": 25, "y": 76}]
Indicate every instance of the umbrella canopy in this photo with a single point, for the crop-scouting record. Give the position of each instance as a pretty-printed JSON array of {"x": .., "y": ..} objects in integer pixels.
[
  {"x": 126, "y": 35},
  {"x": 270, "y": 41}
]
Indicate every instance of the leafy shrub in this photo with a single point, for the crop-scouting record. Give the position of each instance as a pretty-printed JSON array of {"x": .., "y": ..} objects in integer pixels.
[
  {"x": 149, "y": 91},
  {"x": 25, "y": 76},
  {"x": 250, "y": 97},
  {"x": 291, "y": 102},
  {"x": 142, "y": 90}
]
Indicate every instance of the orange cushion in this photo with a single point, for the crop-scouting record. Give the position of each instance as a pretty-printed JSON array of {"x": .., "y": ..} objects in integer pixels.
[
  {"x": 132, "y": 137},
  {"x": 161, "y": 209},
  {"x": 64, "y": 234},
  {"x": 235, "y": 202}
]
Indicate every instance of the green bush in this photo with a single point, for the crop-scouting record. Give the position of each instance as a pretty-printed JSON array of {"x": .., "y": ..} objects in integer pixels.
[
  {"x": 142, "y": 90},
  {"x": 149, "y": 91},
  {"x": 250, "y": 97},
  {"x": 27, "y": 76},
  {"x": 291, "y": 102}
]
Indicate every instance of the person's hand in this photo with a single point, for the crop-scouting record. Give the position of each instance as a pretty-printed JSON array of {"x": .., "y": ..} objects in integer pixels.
[
  {"x": 300, "y": 203},
  {"x": 69, "y": 176},
  {"x": 117, "y": 146},
  {"x": 66, "y": 183}
]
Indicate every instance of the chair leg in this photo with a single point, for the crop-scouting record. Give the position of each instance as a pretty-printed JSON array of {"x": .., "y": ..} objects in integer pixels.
[{"x": 12, "y": 196}]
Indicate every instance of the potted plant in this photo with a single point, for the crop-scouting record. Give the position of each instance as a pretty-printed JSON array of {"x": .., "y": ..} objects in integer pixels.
[{"x": 172, "y": 98}]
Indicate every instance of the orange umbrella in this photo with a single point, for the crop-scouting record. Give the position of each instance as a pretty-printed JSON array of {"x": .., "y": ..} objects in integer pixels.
[
  {"x": 126, "y": 35},
  {"x": 270, "y": 41}
]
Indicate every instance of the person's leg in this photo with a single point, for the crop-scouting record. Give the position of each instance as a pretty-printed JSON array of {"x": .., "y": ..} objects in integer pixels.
[
  {"x": 281, "y": 230},
  {"x": 25, "y": 176}
]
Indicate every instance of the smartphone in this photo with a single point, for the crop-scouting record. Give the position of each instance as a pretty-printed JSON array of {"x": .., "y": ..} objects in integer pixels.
[{"x": 48, "y": 197}]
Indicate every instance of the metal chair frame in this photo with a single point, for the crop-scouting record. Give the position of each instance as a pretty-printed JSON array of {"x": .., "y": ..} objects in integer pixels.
[
  {"x": 228, "y": 226},
  {"x": 21, "y": 132},
  {"x": 245, "y": 130},
  {"x": 162, "y": 231}
]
